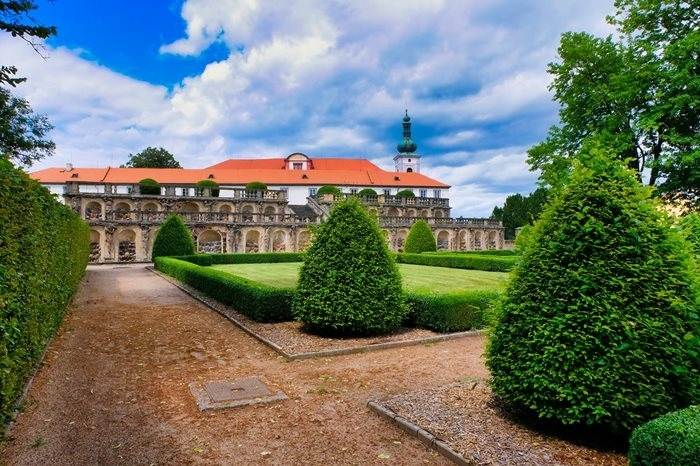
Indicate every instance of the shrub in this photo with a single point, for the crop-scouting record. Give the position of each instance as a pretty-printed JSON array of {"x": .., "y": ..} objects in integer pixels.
[
  {"x": 173, "y": 239},
  {"x": 256, "y": 186},
  {"x": 592, "y": 327},
  {"x": 44, "y": 251},
  {"x": 690, "y": 225},
  {"x": 420, "y": 239},
  {"x": 485, "y": 262},
  {"x": 260, "y": 302},
  {"x": 669, "y": 440},
  {"x": 405, "y": 193},
  {"x": 209, "y": 184},
  {"x": 149, "y": 187},
  {"x": 452, "y": 312},
  {"x": 367, "y": 192},
  {"x": 349, "y": 282},
  {"x": 328, "y": 189}
]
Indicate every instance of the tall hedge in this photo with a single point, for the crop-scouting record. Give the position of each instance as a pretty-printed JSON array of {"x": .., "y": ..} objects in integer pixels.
[
  {"x": 349, "y": 282},
  {"x": 420, "y": 239},
  {"x": 44, "y": 251},
  {"x": 173, "y": 239},
  {"x": 596, "y": 325}
]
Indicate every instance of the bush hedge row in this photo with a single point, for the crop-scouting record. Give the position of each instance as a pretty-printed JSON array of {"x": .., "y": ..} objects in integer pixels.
[
  {"x": 443, "y": 313},
  {"x": 260, "y": 302},
  {"x": 242, "y": 258},
  {"x": 453, "y": 312},
  {"x": 486, "y": 263},
  {"x": 44, "y": 251}
]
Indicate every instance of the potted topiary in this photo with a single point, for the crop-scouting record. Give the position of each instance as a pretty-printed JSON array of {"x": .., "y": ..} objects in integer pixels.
[
  {"x": 328, "y": 192},
  {"x": 149, "y": 187},
  {"x": 209, "y": 185}
]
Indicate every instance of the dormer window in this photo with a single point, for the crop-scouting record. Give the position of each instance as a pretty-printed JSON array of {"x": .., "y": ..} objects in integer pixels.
[
  {"x": 297, "y": 166},
  {"x": 211, "y": 176}
]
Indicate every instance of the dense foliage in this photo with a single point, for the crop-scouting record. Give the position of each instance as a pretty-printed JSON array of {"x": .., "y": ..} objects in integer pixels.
[
  {"x": 367, "y": 192},
  {"x": 597, "y": 322},
  {"x": 15, "y": 19},
  {"x": 329, "y": 189},
  {"x": 349, "y": 282},
  {"x": 256, "y": 186},
  {"x": 211, "y": 185},
  {"x": 690, "y": 226},
  {"x": 23, "y": 135},
  {"x": 638, "y": 95},
  {"x": 485, "y": 262},
  {"x": 451, "y": 312},
  {"x": 260, "y": 302},
  {"x": 173, "y": 239},
  {"x": 43, "y": 254},
  {"x": 519, "y": 211},
  {"x": 149, "y": 187},
  {"x": 152, "y": 157},
  {"x": 669, "y": 440},
  {"x": 405, "y": 193},
  {"x": 420, "y": 238}
]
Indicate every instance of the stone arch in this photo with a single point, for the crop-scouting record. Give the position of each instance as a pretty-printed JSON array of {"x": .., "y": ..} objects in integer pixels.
[
  {"x": 424, "y": 213},
  {"x": 443, "y": 241},
  {"x": 247, "y": 213},
  {"x": 122, "y": 211},
  {"x": 411, "y": 213},
  {"x": 279, "y": 241},
  {"x": 438, "y": 213},
  {"x": 210, "y": 241},
  {"x": 126, "y": 246},
  {"x": 269, "y": 213},
  {"x": 95, "y": 246},
  {"x": 225, "y": 209},
  {"x": 401, "y": 236},
  {"x": 189, "y": 207},
  {"x": 303, "y": 240},
  {"x": 492, "y": 240},
  {"x": 93, "y": 210},
  {"x": 252, "y": 241},
  {"x": 478, "y": 239},
  {"x": 393, "y": 212},
  {"x": 373, "y": 212},
  {"x": 151, "y": 207},
  {"x": 464, "y": 240}
]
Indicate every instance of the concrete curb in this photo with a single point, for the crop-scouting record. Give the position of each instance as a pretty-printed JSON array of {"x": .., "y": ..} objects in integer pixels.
[
  {"x": 419, "y": 433},
  {"x": 317, "y": 354}
]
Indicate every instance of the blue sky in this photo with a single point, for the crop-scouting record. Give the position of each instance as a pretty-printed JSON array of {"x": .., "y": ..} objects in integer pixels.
[{"x": 215, "y": 79}]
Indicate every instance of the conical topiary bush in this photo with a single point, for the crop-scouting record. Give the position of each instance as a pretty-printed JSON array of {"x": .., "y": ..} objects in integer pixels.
[
  {"x": 596, "y": 325},
  {"x": 349, "y": 282},
  {"x": 173, "y": 239},
  {"x": 420, "y": 238}
]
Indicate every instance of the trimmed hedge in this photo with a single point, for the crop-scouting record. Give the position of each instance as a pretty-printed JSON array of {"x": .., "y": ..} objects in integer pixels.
[
  {"x": 492, "y": 263},
  {"x": 210, "y": 184},
  {"x": 669, "y": 440},
  {"x": 367, "y": 192},
  {"x": 260, "y": 302},
  {"x": 243, "y": 258},
  {"x": 454, "y": 312},
  {"x": 480, "y": 252},
  {"x": 405, "y": 193},
  {"x": 329, "y": 189},
  {"x": 256, "y": 186},
  {"x": 149, "y": 187},
  {"x": 420, "y": 238},
  {"x": 173, "y": 239},
  {"x": 44, "y": 251}
]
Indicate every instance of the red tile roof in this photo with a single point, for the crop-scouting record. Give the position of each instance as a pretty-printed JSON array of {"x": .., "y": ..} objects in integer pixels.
[{"x": 238, "y": 172}]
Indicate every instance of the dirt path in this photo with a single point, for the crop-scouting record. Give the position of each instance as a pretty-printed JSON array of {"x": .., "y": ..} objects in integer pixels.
[{"x": 114, "y": 388}]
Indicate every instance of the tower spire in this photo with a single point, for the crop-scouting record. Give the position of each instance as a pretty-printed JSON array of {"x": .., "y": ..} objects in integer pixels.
[
  {"x": 407, "y": 146},
  {"x": 406, "y": 159}
]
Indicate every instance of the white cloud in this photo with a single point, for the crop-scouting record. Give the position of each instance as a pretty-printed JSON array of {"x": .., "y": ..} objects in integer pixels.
[{"x": 331, "y": 78}]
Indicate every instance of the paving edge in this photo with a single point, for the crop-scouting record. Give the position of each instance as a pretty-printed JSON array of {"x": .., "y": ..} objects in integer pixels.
[
  {"x": 418, "y": 432},
  {"x": 316, "y": 354}
]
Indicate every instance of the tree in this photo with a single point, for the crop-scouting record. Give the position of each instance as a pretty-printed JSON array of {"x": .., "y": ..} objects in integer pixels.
[
  {"x": 420, "y": 238},
  {"x": 349, "y": 282},
  {"x": 518, "y": 211},
  {"x": 22, "y": 133},
  {"x": 173, "y": 239},
  {"x": 597, "y": 326},
  {"x": 152, "y": 157},
  {"x": 15, "y": 19},
  {"x": 637, "y": 96}
]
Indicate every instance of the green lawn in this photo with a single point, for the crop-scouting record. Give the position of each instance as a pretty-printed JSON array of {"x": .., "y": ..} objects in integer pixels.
[{"x": 415, "y": 277}]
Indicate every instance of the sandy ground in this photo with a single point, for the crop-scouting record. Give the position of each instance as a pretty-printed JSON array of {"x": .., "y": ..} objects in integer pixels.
[{"x": 113, "y": 388}]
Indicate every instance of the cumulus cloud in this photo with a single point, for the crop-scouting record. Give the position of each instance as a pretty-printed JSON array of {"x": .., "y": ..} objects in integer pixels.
[{"x": 330, "y": 78}]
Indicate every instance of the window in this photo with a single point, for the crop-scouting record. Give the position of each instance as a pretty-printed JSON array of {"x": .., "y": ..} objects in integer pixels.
[
  {"x": 199, "y": 191},
  {"x": 387, "y": 192},
  {"x": 353, "y": 191},
  {"x": 312, "y": 192},
  {"x": 185, "y": 191},
  {"x": 436, "y": 194},
  {"x": 423, "y": 193},
  {"x": 297, "y": 166}
]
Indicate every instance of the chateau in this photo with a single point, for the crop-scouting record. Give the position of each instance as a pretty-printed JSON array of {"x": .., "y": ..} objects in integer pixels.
[{"x": 227, "y": 217}]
